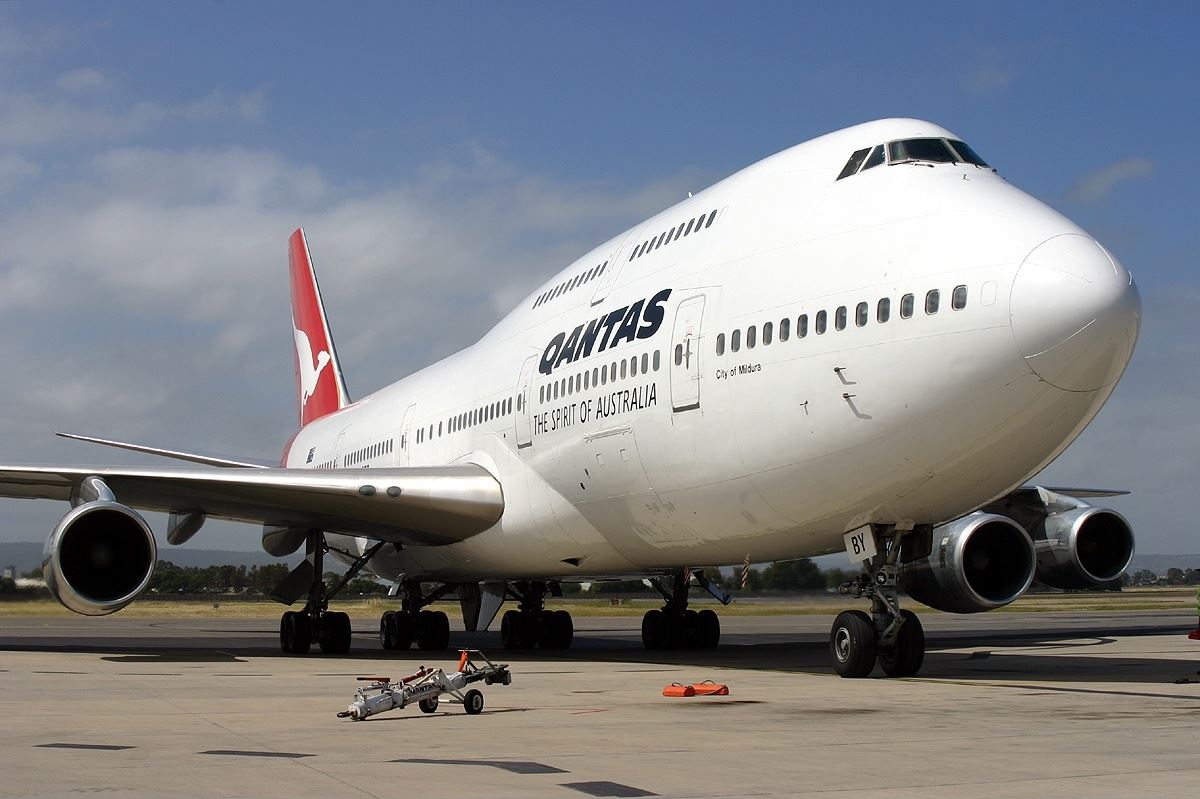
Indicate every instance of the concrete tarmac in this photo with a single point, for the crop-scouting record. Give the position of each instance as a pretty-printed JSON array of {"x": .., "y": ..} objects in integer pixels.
[{"x": 1007, "y": 705}]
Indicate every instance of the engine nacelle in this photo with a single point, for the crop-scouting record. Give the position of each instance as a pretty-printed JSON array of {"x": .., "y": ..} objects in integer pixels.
[
  {"x": 100, "y": 556},
  {"x": 1083, "y": 547},
  {"x": 976, "y": 563}
]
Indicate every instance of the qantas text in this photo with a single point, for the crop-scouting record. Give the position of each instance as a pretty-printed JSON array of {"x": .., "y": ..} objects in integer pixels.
[{"x": 640, "y": 320}]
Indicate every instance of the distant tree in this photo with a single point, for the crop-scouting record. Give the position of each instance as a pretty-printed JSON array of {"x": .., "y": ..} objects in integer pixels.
[
  {"x": 1174, "y": 576},
  {"x": 8, "y": 585},
  {"x": 364, "y": 586},
  {"x": 793, "y": 575},
  {"x": 33, "y": 574},
  {"x": 835, "y": 577}
]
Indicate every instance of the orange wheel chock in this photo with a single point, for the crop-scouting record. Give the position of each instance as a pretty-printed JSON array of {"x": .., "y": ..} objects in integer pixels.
[{"x": 678, "y": 689}]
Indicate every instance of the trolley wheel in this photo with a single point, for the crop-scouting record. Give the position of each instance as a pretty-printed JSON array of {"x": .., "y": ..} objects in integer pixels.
[
  {"x": 428, "y": 705},
  {"x": 473, "y": 702}
]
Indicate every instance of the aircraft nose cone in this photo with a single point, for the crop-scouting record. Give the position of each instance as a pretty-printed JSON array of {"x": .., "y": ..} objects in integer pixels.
[{"x": 1075, "y": 313}]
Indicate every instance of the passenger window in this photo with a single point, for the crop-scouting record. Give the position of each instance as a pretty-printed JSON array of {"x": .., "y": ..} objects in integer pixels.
[
  {"x": 678, "y": 354},
  {"x": 656, "y": 360},
  {"x": 633, "y": 366},
  {"x": 839, "y": 318},
  {"x": 959, "y": 299},
  {"x": 821, "y": 321},
  {"x": 860, "y": 314},
  {"x": 931, "y": 301},
  {"x": 735, "y": 341},
  {"x": 768, "y": 328},
  {"x": 678, "y": 232},
  {"x": 623, "y": 373},
  {"x": 874, "y": 159},
  {"x": 595, "y": 376},
  {"x": 585, "y": 380},
  {"x": 906, "y": 306},
  {"x": 785, "y": 329},
  {"x": 570, "y": 387},
  {"x": 700, "y": 221},
  {"x": 604, "y": 375},
  {"x": 541, "y": 393},
  {"x": 856, "y": 159},
  {"x": 689, "y": 227},
  {"x": 645, "y": 363},
  {"x": 555, "y": 389},
  {"x": 883, "y": 311},
  {"x": 802, "y": 326},
  {"x": 712, "y": 217},
  {"x": 668, "y": 239},
  {"x": 751, "y": 337},
  {"x": 661, "y": 239},
  {"x": 720, "y": 344}
]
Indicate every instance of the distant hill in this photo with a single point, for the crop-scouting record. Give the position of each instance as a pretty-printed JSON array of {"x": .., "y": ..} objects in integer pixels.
[{"x": 27, "y": 555}]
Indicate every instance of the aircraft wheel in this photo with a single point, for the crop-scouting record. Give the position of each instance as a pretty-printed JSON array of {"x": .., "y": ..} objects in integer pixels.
[
  {"x": 295, "y": 632},
  {"x": 403, "y": 629},
  {"x": 904, "y": 659},
  {"x": 653, "y": 630},
  {"x": 428, "y": 705},
  {"x": 707, "y": 629},
  {"x": 566, "y": 629},
  {"x": 386, "y": 630},
  {"x": 852, "y": 644},
  {"x": 335, "y": 637},
  {"x": 557, "y": 630},
  {"x": 510, "y": 622},
  {"x": 473, "y": 702},
  {"x": 433, "y": 630}
]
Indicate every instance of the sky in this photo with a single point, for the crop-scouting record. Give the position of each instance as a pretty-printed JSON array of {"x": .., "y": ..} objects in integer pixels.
[{"x": 447, "y": 158}]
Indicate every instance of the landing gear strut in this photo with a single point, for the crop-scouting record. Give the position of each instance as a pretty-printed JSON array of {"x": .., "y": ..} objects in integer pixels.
[
  {"x": 430, "y": 629},
  {"x": 890, "y": 635},
  {"x": 676, "y": 626},
  {"x": 531, "y": 624},
  {"x": 330, "y": 630}
]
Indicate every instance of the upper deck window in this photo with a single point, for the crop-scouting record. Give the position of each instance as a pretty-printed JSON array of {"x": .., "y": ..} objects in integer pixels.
[{"x": 935, "y": 150}]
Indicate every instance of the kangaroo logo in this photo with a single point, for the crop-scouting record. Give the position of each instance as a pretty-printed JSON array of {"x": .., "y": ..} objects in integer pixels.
[{"x": 310, "y": 370}]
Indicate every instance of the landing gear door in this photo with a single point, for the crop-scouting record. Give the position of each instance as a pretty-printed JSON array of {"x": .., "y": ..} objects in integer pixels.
[
  {"x": 406, "y": 440},
  {"x": 686, "y": 344},
  {"x": 524, "y": 414}
]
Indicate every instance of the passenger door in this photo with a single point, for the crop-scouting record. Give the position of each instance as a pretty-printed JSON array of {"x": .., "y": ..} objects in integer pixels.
[
  {"x": 406, "y": 442},
  {"x": 523, "y": 416},
  {"x": 686, "y": 344}
]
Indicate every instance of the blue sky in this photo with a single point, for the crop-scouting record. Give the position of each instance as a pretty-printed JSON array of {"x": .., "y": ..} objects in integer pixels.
[{"x": 445, "y": 158}]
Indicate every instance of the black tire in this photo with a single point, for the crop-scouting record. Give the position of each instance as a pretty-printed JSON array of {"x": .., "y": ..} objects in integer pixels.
[
  {"x": 565, "y": 626},
  {"x": 285, "y": 632},
  {"x": 473, "y": 702},
  {"x": 403, "y": 629},
  {"x": 852, "y": 644},
  {"x": 707, "y": 630},
  {"x": 510, "y": 624},
  {"x": 904, "y": 659},
  {"x": 653, "y": 630},
  {"x": 387, "y": 630},
  {"x": 433, "y": 631},
  {"x": 335, "y": 633},
  {"x": 428, "y": 705}
]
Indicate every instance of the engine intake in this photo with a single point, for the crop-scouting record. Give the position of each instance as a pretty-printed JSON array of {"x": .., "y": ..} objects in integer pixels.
[
  {"x": 1082, "y": 547},
  {"x": 99, "y": 557},
  {"x": 976, "y": 563}
]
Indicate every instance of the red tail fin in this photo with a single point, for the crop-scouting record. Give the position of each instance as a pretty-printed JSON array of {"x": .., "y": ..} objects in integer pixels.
[{"x": 320, "y": 387}]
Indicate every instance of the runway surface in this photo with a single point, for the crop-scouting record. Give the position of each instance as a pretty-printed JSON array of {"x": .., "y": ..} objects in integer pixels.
[{"x": 1083, "y": 705}]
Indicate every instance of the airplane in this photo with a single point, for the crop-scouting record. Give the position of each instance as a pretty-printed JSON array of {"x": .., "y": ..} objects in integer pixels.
[{"x": 868, "y": 342}]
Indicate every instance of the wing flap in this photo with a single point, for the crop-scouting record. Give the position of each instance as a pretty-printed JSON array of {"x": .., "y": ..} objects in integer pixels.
[{"x": 418, "y": 505}]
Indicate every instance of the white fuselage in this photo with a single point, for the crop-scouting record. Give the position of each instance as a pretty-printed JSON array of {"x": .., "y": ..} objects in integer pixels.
[{"x": 706, "y": 454}]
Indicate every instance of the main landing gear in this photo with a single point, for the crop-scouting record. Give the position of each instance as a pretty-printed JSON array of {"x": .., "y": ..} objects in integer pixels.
[
  {"x": 676, "y": 626},
  {"x": 531, "y": 624},
  {"x": 889, "y": 635},
  {"x": 330, "y": 630},
  {"x": 430, "y": 629}
]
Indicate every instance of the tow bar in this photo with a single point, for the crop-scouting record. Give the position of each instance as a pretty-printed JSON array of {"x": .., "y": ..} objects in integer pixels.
[{"x": 427, "y": 685}]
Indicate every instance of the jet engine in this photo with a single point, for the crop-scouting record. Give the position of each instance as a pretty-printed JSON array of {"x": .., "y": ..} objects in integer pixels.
[
  {"x": 100, "y": 556},
  {"x": 1082, "y": 547},
  {"x": 979, "y": 562}
]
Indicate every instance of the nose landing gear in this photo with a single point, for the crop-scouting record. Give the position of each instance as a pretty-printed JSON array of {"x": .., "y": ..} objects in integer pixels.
[{"x": 889, "y": 635}]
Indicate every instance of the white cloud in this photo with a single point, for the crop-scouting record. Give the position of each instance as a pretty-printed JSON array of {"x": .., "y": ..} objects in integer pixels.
[
  {"x": 83, "y": 80},
  {"x": 1098, "y": 184},
  {"x": 15, "y": 170}
]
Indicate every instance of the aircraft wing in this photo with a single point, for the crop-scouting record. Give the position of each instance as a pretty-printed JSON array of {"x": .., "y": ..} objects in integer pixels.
[
  {"x": 177, "y": 454},
  {"x": 431, "y": 505}
]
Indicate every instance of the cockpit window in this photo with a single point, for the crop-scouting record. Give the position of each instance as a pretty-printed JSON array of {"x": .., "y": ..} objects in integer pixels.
[
  {"x": 875, "y": 158},
  {"x": 935, "y": 150},
  {"x": 966, "y": 153},
  {"x": 853, "y": 164}
]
